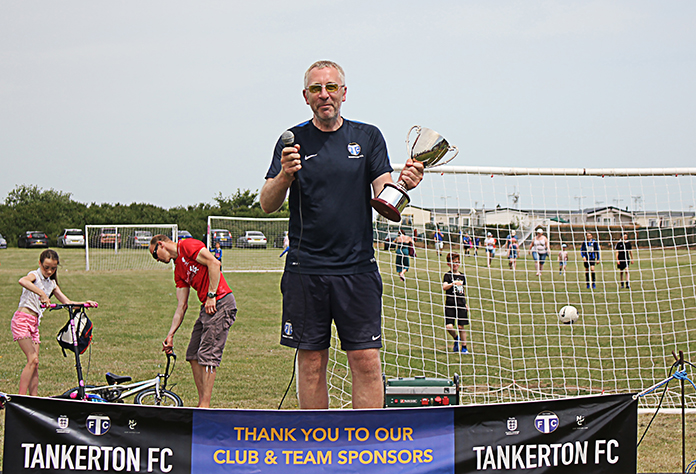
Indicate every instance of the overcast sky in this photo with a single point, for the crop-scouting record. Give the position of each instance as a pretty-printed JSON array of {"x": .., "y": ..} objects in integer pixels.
[{"x": 170, "y": 102}]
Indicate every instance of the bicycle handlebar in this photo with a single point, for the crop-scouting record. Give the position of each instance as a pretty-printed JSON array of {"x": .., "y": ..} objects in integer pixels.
[{"x": 53, "y": 306}]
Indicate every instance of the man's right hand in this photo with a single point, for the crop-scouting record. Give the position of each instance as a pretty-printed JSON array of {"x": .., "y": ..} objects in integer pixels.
[
  {"x": 291, "y": 161},
  {"x": 168, "y": 345}
]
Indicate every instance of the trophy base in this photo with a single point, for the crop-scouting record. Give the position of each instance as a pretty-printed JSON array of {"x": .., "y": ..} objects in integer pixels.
[{"x": 391, "y": 202}]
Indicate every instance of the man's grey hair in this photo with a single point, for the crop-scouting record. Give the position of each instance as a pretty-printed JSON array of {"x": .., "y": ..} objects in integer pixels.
[{"x": 321, "y": 65}]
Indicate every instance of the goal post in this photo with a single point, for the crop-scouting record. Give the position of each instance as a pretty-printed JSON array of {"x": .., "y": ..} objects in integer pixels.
[
  {"x": 519, "y": 349},
  {"x": 124, "y": 246},
  {"x": 249, "y": 244}
]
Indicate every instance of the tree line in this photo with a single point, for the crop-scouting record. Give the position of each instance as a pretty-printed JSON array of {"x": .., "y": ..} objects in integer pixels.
[{"x": 28, "y": 207}]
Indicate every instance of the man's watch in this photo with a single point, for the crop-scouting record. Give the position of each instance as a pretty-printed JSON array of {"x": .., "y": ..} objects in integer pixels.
[{"x": 212, "y": 295}]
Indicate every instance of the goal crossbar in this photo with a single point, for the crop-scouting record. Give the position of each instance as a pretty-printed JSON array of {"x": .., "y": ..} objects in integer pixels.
[{"x": 517, "y": 171}]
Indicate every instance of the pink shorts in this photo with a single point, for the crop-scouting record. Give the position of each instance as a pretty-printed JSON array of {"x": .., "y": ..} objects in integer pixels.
[{"x": 25, "y": 326}]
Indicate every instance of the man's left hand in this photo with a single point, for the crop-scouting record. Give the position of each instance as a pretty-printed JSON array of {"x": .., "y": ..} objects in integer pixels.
[
  {"x": 210, "y": 305},
  {"x": 412, "y": 174}
]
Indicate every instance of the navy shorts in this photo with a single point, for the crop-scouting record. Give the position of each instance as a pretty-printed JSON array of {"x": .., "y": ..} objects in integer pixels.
[
  {"x": 589, "y": 264},
  {"x": 312, "y": 302}
]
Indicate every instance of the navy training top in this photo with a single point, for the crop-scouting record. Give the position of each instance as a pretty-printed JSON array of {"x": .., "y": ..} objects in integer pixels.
[
  {"x": 332, "y": 235},
  {"x": 590, "y": 250}
]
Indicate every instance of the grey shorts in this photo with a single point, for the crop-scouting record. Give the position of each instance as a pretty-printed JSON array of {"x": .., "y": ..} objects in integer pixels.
[
  {"x": 352, "y": 302},
  {"x": 210, "y": 331}
]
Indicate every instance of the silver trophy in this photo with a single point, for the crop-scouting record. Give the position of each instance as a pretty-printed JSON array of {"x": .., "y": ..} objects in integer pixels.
[{"x": 429, "y": 147}]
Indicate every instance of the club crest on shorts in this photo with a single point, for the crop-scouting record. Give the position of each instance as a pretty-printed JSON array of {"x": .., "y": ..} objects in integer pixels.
[
  {"x": 353, "y": 148},
  {"x": 287, "y": 329}
]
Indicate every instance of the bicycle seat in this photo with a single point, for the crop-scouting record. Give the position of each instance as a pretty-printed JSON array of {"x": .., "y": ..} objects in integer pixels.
[{"x": 112, "y": 379}]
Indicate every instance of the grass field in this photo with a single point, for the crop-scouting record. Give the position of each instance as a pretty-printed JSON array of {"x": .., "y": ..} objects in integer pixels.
[{"x": 136, "y": 309}]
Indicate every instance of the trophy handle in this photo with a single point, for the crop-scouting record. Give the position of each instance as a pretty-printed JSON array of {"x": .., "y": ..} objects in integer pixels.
[
  {"x": 408, "y": 137},
  {"x": 451, "y": 148}
]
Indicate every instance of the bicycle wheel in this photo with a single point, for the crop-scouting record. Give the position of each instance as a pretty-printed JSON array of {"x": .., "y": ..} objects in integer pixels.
[{"x": 169, "y": 399}]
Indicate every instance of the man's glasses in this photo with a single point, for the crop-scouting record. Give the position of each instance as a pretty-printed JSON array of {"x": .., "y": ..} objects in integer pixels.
[
  {"x": 154, "y": 252},
  {"x": 331, "y": 87}
]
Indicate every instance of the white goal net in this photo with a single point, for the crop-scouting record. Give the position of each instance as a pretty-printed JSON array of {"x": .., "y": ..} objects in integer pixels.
[
  {"x": 249, "y": 244},
  {"x": 518, "y": 348},
  {"x": 124, "y": 246}
]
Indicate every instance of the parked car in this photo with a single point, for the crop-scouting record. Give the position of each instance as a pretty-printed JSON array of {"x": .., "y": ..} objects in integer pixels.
[
  {"x": 3, "y": 242},
  {"x": 221, "y": 235},
  {"x": 107, "y": 237},
  {"x": 252, "y": 239},
  {"x": 139, "y": 240},
  {"x": 184, "y": 234},
  {"x": 71, "y": 238},
  {"x": 33, "y": 238}
]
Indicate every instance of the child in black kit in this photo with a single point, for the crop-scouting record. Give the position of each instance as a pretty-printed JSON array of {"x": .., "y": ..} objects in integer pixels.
[{"x": 456, "y": 309}]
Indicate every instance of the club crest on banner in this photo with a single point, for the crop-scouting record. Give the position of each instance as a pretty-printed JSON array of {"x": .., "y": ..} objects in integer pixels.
[
  {"x": 512, "y": 426},
  {"x": 546, "y": 422},
  {"x": 98, "y": 424},
  {"x": 580, "y": 422},
  {"x": 63, "y": 423}
]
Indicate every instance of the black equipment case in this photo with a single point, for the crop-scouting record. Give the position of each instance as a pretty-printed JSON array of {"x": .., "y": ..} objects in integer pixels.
[{"x": 421, "y": 392}]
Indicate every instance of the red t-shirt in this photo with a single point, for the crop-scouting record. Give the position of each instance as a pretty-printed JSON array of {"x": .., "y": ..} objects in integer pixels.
[{"x": 188, "y": 273}]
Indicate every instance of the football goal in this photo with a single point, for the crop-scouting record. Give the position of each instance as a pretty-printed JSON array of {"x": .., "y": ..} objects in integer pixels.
[
  {"x": 627, "y": 238},
  {"x": 124, "y": 246},
  {"x": 249, "y": 244}
]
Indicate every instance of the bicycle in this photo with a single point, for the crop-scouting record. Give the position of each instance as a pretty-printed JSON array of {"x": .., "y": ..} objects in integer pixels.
[{"x": 147, "y": 392}]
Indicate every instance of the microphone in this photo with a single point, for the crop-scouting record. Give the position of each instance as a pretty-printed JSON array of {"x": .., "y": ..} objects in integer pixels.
[{"x": 288, "y": 138}]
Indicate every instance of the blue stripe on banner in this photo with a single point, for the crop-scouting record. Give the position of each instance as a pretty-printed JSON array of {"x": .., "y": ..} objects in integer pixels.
[{"x": 404, "y": 441}]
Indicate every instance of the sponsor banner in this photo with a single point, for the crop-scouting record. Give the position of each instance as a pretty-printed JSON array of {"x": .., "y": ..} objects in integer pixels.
[
  {"x": 388, "y": 440},
  {"x": 574, "y": 435},
  {"x": 590, "y": 434},
  {"x": 51, "y": 435}
]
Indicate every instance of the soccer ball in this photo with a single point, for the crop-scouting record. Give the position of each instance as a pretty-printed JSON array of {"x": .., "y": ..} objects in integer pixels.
[{"x": 568, "y": 314}]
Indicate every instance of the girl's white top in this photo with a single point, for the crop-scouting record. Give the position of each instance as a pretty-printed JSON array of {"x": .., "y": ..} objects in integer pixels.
[{"x": 31, "y": 300}]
